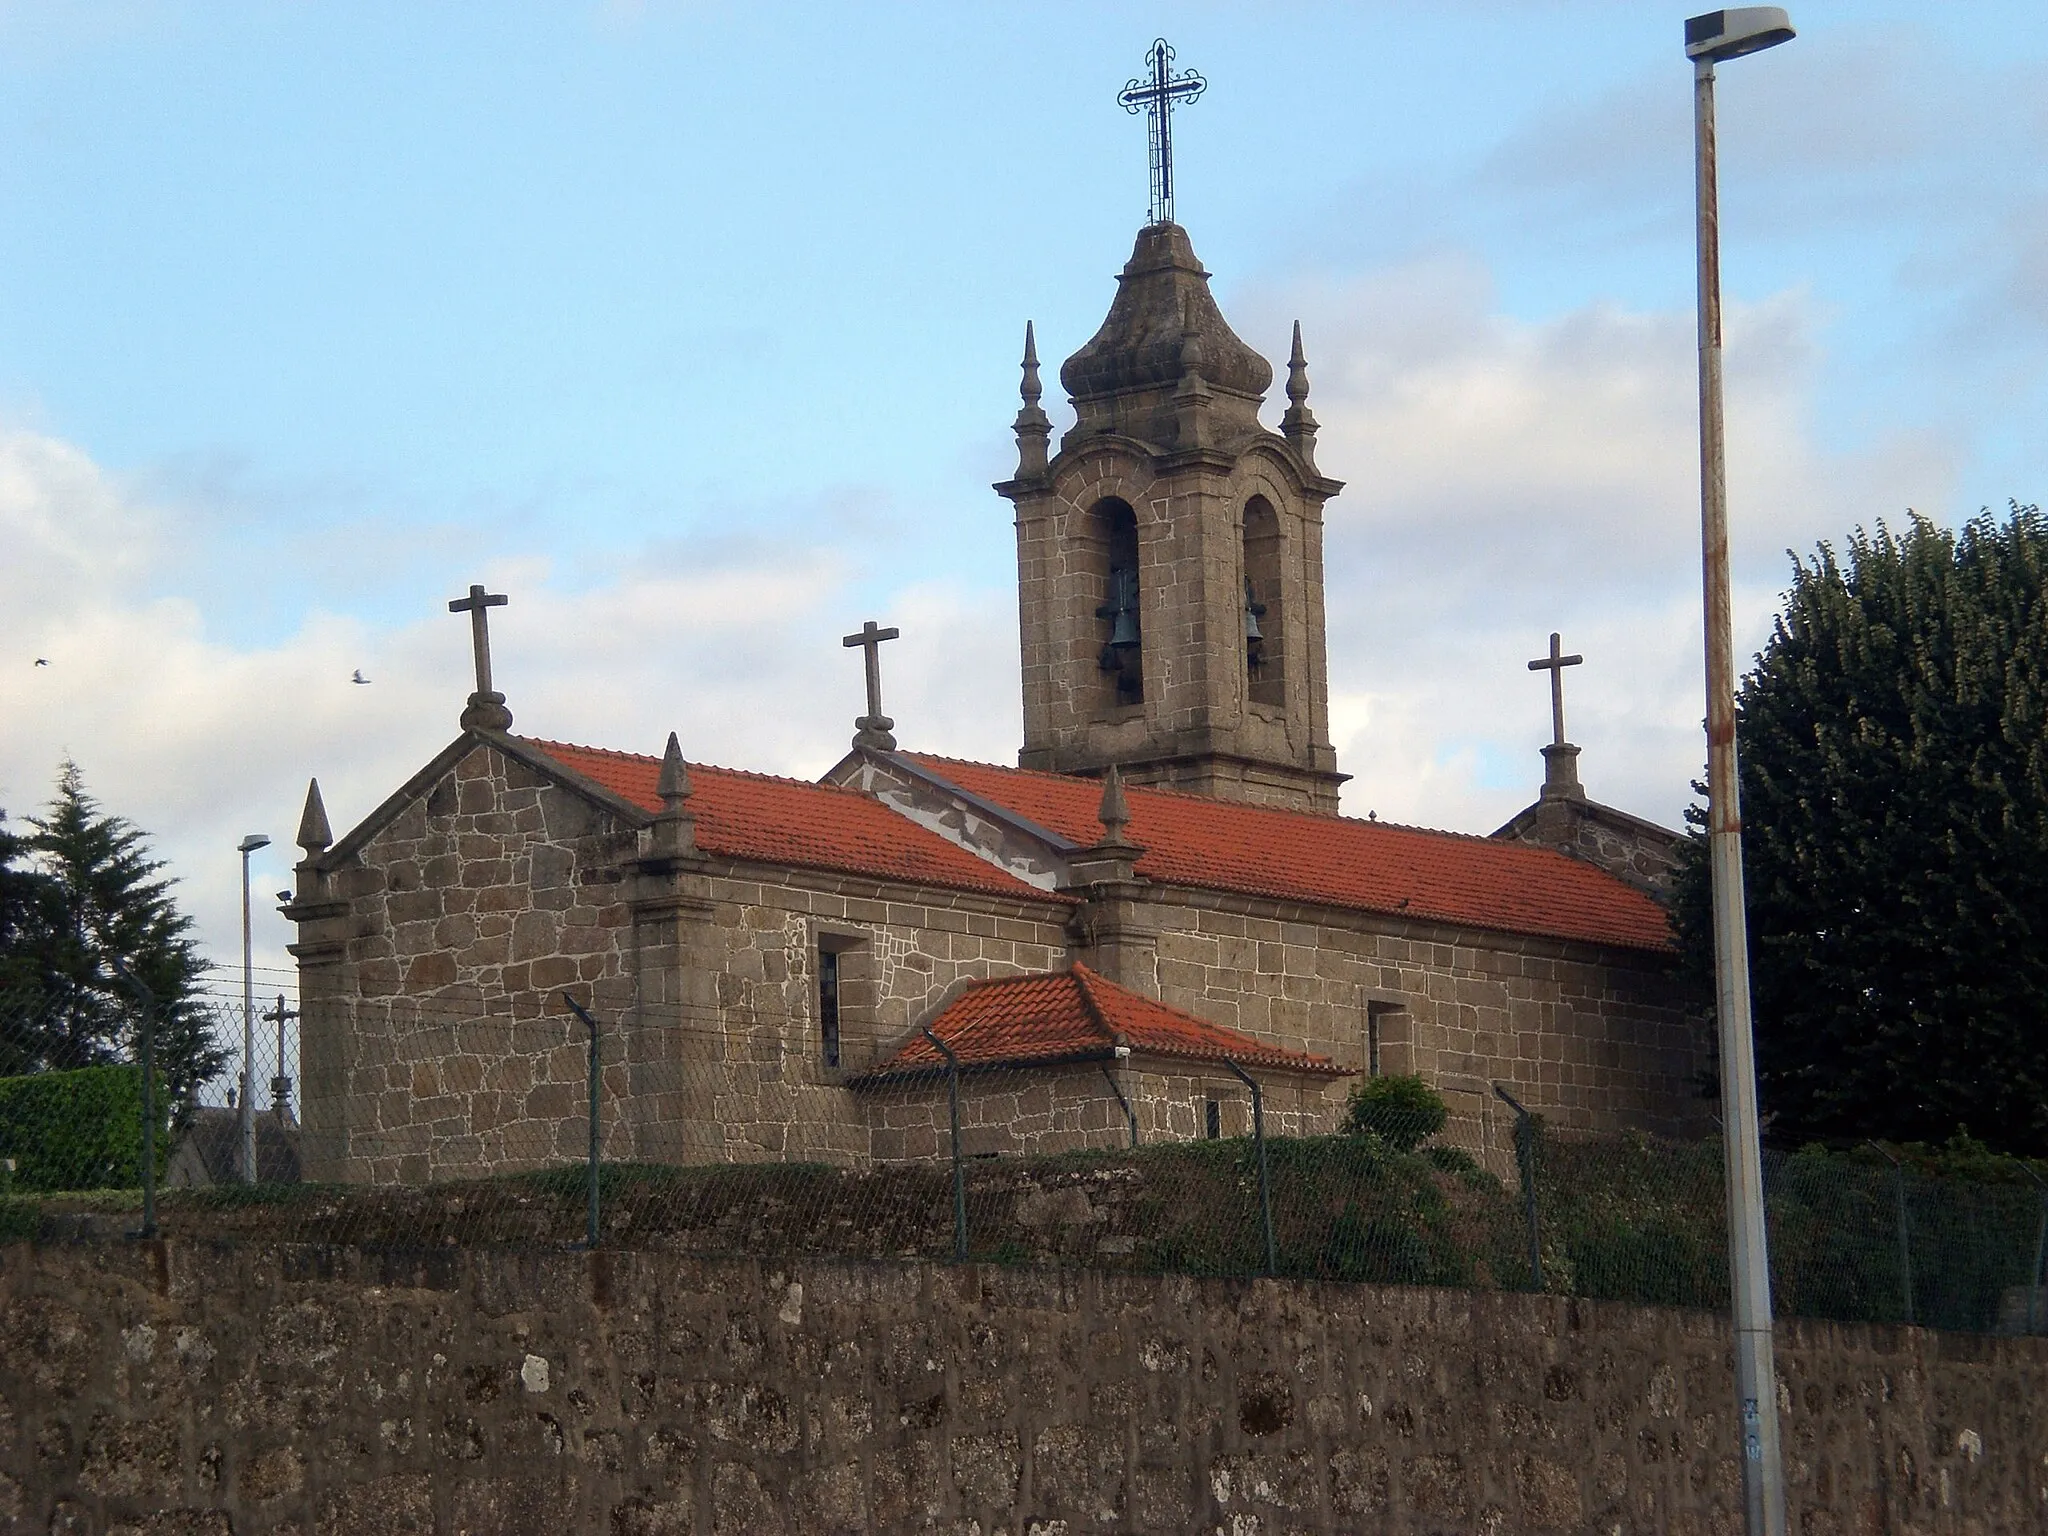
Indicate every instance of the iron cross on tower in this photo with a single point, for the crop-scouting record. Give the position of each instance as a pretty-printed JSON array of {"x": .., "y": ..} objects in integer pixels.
[
  {"x": 1156, "y": 96},
  {"x": 1554, "y": 664},
  {"x": 872, "y": 728},
  {"x": 486, "y": 707}
]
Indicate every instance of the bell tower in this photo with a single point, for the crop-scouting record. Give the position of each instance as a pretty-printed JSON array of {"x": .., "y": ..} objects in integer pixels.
[{"x": 1170, "y": 554}]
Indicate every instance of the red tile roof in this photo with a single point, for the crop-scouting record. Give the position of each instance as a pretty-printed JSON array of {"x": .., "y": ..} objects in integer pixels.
[
  {"x": 1374, "y": 866},
  {"x": 1078, "y": 1015},
  {"x": 791, "y": 821}
]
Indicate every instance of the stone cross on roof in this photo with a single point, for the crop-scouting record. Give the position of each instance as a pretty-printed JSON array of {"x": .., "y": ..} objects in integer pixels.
[
  {"x": 872, "y": 729},
  {"x": 1554, "y": 664},
  {"x": 1156, "y": 95},
  {"x": 486, "y": 709}
]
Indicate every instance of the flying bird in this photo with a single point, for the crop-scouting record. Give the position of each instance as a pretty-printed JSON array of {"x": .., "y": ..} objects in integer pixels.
[
  {"x": 359, "y": 678},
  {"x": 42, "y": 661}
]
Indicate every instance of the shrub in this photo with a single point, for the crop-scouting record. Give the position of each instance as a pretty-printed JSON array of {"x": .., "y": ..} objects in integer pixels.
[
  {"x": 76, "y": 1130},
  {"x": 1403, "y": 1111}
]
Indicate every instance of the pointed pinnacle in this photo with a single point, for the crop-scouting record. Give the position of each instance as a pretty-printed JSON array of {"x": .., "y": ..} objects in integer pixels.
[
  {"x": 1297, "y": 370},
  {"x": 314, "y": 833},
  {"x": 674, "y": 784},
  {"x": 1115, "y": 812},
  {"x": 1030, "y": 389},
  {"x": 1032, "y": 426}
]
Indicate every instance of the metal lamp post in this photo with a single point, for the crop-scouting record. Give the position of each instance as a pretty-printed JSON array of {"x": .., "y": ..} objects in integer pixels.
[
  {"x": 247, "y": 846},
  {"x": 1709, "y": 39}
]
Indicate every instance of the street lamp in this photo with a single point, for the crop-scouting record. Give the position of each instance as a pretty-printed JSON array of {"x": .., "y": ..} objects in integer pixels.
[
  {"x": 1709, "y": 39},
  {"x": 247, "y": 846}
]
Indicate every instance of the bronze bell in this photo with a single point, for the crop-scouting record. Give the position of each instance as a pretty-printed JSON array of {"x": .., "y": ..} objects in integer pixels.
[
  {"x": 1254, "y": 610},
  {"x": 1122, "y": 608}
]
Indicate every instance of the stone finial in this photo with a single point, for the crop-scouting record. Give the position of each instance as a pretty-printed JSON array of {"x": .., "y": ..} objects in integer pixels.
[
  {"x": 674, "y": 833},
  {"x": 1031, "y": 389},
  {"x": 1033, "y": 426},
  {"x": 1113, "y": 860},
  {"x": 674, "y": 784},
  {"x": 315, "y": 836},
  {"x": 1298, "y": 423},
  {"x": 1114, "y": 812}
]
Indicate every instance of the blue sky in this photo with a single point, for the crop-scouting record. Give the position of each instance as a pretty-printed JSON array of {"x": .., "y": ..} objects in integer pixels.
[{"x": 695, "y": 327}]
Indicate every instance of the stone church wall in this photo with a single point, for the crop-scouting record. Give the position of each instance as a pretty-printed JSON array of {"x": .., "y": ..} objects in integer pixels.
[
  {"x": 437, "y": 1046},
  {"x": 217, "y": 1388},
  {"x": 902, "y": 952},
  {"x": 1591, "y": 1040}
]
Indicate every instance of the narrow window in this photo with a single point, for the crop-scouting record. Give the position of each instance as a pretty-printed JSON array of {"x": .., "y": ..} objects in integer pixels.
[
  {"x": 828, "y": 1003},
  {"x": 1265, "y": 611},
  {"x": 1214, "y": 1127},
  {"x": 1389, "y": 1039},
  {"x": 1121, "y": 660}
]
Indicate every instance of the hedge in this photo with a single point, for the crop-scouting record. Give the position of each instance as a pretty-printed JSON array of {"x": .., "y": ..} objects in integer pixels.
[{"x": 77, "y": 1130}]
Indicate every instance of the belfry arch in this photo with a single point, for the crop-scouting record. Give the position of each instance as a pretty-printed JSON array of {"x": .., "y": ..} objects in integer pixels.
[
  {"x": 1113, "y": 544},
  {"x": 1265, "y": 604}
]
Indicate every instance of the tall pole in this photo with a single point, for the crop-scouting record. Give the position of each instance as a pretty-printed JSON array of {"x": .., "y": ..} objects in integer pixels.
[
  {"x": 247, "y": 846},
  {"x": 248, "y": 1102},
  {"x": 1265, "y": 1184},
  {"x": 1763, "y": 1480},
  {"x": 959, "y": 1168},
  {"x": 590, "y": 1223}
]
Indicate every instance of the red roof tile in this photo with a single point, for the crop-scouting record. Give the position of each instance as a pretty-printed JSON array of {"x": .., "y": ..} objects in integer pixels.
[
  {"x": 791, "y": 821},
  {"x": 1078, "y": 1015},
  {"x": 1375, "y": 866}
]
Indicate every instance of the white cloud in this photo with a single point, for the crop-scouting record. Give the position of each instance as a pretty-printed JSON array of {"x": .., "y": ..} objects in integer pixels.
[
  {"x": 1509, "y": 479},
  {"x": 199, "y": 740}
]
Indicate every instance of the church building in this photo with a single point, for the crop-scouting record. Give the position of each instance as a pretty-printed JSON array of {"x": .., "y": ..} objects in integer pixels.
[{"x": 1112, "y": 941}]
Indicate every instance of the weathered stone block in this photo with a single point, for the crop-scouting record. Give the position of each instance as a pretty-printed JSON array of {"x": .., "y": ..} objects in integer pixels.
[
  {"x": 400, "y": 1504},
  {"x": 132, "y": 1460}
]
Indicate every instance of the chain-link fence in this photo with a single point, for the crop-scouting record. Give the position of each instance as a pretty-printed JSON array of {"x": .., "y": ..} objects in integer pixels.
[{"x": 727, "y": 1131}]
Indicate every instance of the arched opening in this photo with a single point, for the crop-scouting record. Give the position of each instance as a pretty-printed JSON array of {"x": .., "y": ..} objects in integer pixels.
[
  {"x": 1265, "y": 605},
  {"x": 1121, "y": 661}
]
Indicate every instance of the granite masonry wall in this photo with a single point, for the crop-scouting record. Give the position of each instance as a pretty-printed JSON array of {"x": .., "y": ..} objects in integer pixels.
[
  {"x": 1594, "y": 1039},
  {"x": 437, "y": 1046},
  {"x": 149, "y": 1389}
]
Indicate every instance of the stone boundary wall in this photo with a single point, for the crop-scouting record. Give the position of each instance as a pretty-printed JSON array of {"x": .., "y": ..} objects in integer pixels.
[{"x": 214, "y": 1388}]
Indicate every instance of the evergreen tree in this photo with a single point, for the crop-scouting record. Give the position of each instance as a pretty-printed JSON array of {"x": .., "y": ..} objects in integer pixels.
[
  {"x": 1893, "y": 744},
  {"x": 98, "y": 898},
  {"x": 24, "y": 913}
]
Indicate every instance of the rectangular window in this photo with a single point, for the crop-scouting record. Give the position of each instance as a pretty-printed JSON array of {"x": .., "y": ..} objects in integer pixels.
[
  {"x": 1214, "y": 1126},
  {"x": 828, "y": 1004},
  {"x": 1389, "y": 1039}
]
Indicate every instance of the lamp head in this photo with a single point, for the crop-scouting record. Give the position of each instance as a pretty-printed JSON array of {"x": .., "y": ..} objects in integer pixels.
[
  {"x": 252, "y": 842},
  {"x": 1730, "y": 34}
]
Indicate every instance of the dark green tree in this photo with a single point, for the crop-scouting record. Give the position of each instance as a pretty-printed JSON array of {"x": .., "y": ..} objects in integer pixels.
[
  {"x": 97, "y": 896},
  {"x": 24, "y": 914},
  {"x": 1893, "y": 743}
]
